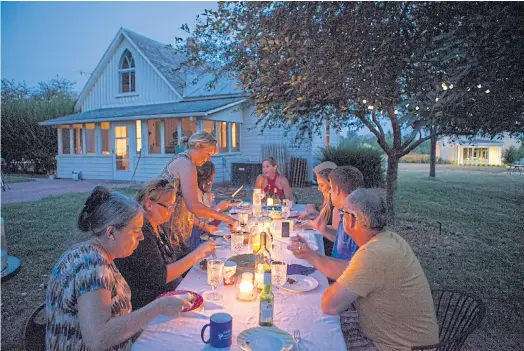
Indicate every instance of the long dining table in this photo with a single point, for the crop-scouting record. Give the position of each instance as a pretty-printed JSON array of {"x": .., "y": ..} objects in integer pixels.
[{"x": 292, "y": 311}]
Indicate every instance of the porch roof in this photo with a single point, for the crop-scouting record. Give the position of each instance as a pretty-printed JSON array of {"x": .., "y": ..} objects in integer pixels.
[
  {"x": 198, "y": 108},
  {"x": 480, "y": 142}
]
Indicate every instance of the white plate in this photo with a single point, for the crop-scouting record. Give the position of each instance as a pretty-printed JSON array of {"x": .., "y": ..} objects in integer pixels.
[
  {"x": 265, "y": 339},
  {"x": 304, "y": 283}
]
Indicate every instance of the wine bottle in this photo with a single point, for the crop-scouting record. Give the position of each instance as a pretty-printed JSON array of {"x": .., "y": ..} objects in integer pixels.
[
  {"x": 262, "y": 261},
  {"x": 276, "y": 199},
  {"x": 267, "y": 304}
]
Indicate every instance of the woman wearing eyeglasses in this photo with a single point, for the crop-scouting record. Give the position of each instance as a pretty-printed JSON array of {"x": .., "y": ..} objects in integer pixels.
[{"x": 154, "y": 266}]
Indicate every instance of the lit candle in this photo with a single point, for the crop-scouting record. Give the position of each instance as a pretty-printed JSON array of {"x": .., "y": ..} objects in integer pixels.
[
  {"x": 246, "y": 289},
  {"x": 269, "y": 201}
]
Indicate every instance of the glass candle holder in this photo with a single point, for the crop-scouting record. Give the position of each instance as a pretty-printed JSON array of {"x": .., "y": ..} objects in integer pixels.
[{"x": 246, "y": 287}]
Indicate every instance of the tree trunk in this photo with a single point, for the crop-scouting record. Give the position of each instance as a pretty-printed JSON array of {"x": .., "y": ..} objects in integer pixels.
[
  {"x": 391, "y": 187},
  {"x": 433, "y": 154}
]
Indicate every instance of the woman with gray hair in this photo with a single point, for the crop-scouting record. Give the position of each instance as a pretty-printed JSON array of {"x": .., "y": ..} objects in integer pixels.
[
  {"x": 88, "y": 303},
  {"x": 182, "y": 171}
]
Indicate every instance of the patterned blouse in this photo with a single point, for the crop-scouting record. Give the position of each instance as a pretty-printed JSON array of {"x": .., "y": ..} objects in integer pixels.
[
  {"x": 180, "y": 224},
  {"x": 81, "y": 269}
]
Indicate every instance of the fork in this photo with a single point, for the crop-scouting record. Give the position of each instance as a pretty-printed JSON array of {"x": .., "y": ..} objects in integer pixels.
[{"x": 296, "y": 336}]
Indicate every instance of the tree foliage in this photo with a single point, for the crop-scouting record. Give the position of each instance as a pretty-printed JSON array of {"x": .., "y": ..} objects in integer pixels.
[
  {"x": 26, "y": 146},
  {"x": 424, "y": 68}
]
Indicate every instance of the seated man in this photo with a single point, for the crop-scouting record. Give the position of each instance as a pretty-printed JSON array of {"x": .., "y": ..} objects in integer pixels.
[
  {"x": 384, "y": 279},
  {"x": 342, "y": 182}
]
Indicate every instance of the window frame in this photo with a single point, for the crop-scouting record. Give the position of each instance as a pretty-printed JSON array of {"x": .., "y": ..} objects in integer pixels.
[{"x": 127, "y": 56}]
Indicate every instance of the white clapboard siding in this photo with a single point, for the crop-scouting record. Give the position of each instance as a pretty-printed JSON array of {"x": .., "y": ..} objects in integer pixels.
[
  {"x": 150, "y": 87},
  {"x": 92, "y": 167}
]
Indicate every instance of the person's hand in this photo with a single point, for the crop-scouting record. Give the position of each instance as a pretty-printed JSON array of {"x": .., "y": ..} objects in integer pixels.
[
  {"x": 211, "y": 197},
  {"x": 212, "y": 229},
  {"x": 233, "y": 227},
  {"x": 171, "y": 305},
  {"x": 300, "y": 248},
  {"x": 319, "y": 224},
  {"x": 205, "y": 249},
  {"x": 223, "y": 205}
]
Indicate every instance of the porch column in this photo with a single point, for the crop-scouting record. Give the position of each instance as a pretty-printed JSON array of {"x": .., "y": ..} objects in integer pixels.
[
  {"x": 229, "y": 137},
  {"x": 98, "y": 139},
  {"x": 162, "y": 138},
  {"x": 59, "y": 139},
  {"x": 83, "y": 133},
  {"x": 473, "y": 155},
  {"x": 71, "y": 140}
]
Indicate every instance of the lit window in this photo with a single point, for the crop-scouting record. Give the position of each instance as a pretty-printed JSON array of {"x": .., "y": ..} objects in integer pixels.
[
  {"x": 235, "y": 137},
  {"x": 170, "y": 134},
  {"x": 77, "y": 138},
  {"x": 90, "y": 138},
  {"x": 127, "y": 73},
  {"x": 153, "y": 141},
  {"x": 188, "y": 127},
  {"x": 138, "y": 136},
  {"x": 210, "y": 127},
  {"x": 105, "y": 137},
  {"x": 222, "y": 137},
  {"x": 66, "y": 146}
]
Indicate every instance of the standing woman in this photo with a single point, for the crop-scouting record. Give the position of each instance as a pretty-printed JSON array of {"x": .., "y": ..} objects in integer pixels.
[
  {"x": 272, "y": 182},
  {"x": 88, "y": 303},
  {"x": 182, "y": 171}
]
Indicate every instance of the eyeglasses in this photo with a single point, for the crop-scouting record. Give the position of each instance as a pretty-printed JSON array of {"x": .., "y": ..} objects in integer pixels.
[
  {"x": 344, "y": 212},
  {"x": 168, "y": 207}
]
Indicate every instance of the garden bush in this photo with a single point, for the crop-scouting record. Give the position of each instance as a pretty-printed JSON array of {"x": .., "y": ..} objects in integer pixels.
[{"x": 368, "y": 161}]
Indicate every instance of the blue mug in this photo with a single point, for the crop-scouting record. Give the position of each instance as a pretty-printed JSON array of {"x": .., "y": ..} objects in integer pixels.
[{"x": 220, "y": 330}]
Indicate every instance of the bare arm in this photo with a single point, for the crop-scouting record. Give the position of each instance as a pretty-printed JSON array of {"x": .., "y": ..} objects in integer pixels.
[
  {"x": 188, "y": 184},
  {"x": 260, "y": 182},
  {"x": 175, "y": 269},
  {"x": 101, "y": 331},
  {"x": 337, "y": 298},
  {"x": 288, "y": 192},
  {"x": 319, "y": 224}
]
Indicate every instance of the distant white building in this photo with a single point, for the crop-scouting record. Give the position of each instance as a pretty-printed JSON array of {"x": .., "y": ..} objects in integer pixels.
[
  {"x": 138, "y": 103},
  {"x": 477, "y": 151}
]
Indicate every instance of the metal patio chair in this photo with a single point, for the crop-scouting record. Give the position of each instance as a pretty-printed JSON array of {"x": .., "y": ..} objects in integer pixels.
[{"x": 458, "y": 315}]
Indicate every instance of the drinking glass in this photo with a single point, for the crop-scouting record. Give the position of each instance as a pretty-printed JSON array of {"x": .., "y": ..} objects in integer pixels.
[
  {"x": 237, "y": 242},
  {"x": 286, "y": 211},
  {"x": 278, "y": 276},
  {"x": 215, "y": 272},
  {"x": 243, "y": 219}
]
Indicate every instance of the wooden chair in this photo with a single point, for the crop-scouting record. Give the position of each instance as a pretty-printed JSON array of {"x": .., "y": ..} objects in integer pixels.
[
  {"x": 34, "y": 330},
  {"x": 458, "y": 315}
]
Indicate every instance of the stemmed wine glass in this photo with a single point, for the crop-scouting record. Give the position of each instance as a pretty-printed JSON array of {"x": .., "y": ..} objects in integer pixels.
[
  {"x": 215, "y": 272},
  {"x": 278, "y": 276}
]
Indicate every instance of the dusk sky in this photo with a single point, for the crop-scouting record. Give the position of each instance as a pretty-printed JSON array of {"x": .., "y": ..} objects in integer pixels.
[{"x": 43, "y": 39}]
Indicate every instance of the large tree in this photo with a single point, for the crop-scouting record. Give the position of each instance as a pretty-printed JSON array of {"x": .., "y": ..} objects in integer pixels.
[{"x": 376, "y": 63}]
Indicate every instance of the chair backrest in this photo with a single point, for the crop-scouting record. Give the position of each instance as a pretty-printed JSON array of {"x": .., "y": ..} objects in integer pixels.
[
  {"x": 458, "y": 314},
  {"x": 34, "y": 330}
]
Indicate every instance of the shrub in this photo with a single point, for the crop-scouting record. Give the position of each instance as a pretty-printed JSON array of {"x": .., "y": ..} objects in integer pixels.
[
  {"x": 510, "y": 155},
  {"x": 368, "y": 161}
]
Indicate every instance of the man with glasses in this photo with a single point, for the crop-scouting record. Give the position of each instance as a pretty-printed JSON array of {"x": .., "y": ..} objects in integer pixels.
[
  {"x": 342, "y": 182},
  {"x": 384, "y": 279}
]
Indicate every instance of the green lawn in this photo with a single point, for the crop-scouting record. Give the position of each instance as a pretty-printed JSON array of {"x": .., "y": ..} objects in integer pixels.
[
  {"x": 17, "y": 179},
  {"x": 479, "y": 250}
]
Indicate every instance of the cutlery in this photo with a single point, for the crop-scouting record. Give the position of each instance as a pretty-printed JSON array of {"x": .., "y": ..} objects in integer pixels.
[
  {"x": 296, "y": 336},
  {"x": 236, "y": 192}
]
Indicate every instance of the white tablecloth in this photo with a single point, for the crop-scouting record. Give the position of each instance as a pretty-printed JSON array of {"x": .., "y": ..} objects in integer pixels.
[{"x": 319, "y": 332}]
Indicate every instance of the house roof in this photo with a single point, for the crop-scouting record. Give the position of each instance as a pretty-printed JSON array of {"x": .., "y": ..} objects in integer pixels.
[
  {"x": 167, "y": 62},
  {"x": 197, "y": 108}
]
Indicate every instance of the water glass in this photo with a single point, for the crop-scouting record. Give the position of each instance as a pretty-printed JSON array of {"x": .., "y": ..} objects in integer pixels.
[
  {"x": 243, "y": 218},
  {"x": 278, "y": 275},
  {"x": 286, "y": 212},
  {"x": 215, "y": 272},
  {"x": 237, "y": 242}
]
